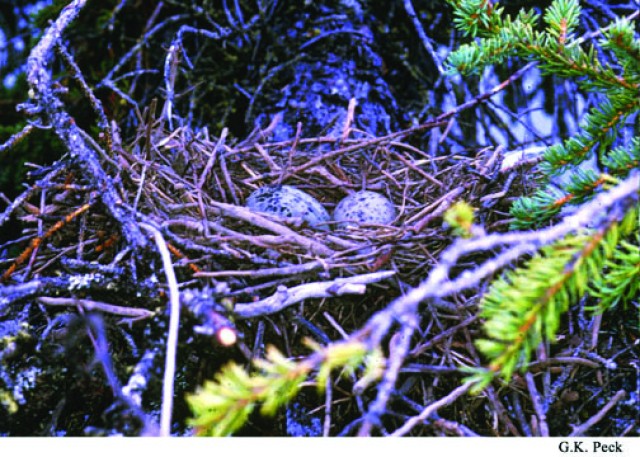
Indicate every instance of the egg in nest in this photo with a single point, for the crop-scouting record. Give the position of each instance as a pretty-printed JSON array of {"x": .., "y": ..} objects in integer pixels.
[
  {"x": 287, "y": 201},
  {"x": 364, "y": 207}
]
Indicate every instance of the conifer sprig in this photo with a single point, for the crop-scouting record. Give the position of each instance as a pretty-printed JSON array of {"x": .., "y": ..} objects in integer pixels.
[
  {"x": 524, "y": 307},
  {"x": 559, "y": 53},
  {"x": 620, "y": 283},
  {"x": 222, "y": 406}
]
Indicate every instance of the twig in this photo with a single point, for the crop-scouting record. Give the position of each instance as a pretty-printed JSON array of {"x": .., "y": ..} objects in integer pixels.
[
  {"x": 257, "y": 240},
  {"x": 53, "y": 285},
  {"x": 593, "y": 420},
  {"x": 351, "y": 109},
  {"x": 516, "y": 406},
  {"x": 212, "y": 159},
  {"x": 356, "y": 146},
  {"x": 92, "y": 305},
  {"x": 97, "y": 335},
  {"x": 143, "y": 41},
  {"x": 17, "y": 138},
  {"x": 172, "y": 60},
  {"x": 434, "y": 210},
  {"x": 592, "y": 35},
  {"x": 421, "y": 349},
  {"x": 24, "y": 196},
  {"x": 326, "y": 428},
  {"x": 398, "y": 349},
  {"x": 139, "y": 379},
  {"x": 501, "y": 412},
  {"x": 543, "y": 428},
  {"x": 290, "y": 153},
  {"x": 414, "y": 167},
  {"x": 454, "y": 427},
  {"x": 172, "y": 338},
  {"x": 228, "y": 178},
  {"x": 537, "y": 365},
  {"x": 266, "y": 272},
  {"x": 39, "y": 78},
  {"x": 285, "y": 296},
  {"x": 96, "y": 104},
  {"x": 426, "y": 42},
  {"x": 37, "y": 242},
  {"x": 432, "y": 408}
]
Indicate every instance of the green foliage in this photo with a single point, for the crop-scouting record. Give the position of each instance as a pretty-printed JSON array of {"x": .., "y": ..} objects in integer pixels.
[
  {"x": 476, "y": 17},
  {"x": 525, "y": 306},
  {"x": 222, "y": 406},
  {"x": 621, "y": 161},
  {"x": 555, "y": 47},
  {"x": 7, "y": 401},
  {"x": 620, "y": 281},
  {"x": 460, "y": 218},
  {"x": 562, "y": 19}
]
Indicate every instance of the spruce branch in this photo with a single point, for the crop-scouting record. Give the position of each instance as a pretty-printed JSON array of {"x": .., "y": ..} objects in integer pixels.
[
  {"x": 525, "y": 306},
  {"x": 560, "y": 53},
  {"x": 620, "y": 282},
  {"x": 621, "y": 161},
  {"x": 220, "y": 407},
  {"x": 620, "y": 39},
  {"x": 476, "y": 17}
]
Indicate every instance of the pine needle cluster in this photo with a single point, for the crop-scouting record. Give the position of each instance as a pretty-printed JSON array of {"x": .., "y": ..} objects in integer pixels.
[
  {"x": 524, "y": 307},
  {"x": 560, "y": 53},
  {"x": 223, "y": 405}
]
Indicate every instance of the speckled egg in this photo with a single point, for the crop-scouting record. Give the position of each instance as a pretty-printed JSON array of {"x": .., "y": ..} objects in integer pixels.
[
  {"x": 364, "y": 207},
  {"x": 287, "y": 201}
]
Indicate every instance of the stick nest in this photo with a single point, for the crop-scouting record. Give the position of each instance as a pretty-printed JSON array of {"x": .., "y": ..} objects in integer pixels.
[{"x": 196, "y": 187}]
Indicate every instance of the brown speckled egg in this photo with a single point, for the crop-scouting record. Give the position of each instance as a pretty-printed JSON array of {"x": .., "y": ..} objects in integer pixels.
[
  {"x": 364, "y": 207},
  {"x": 287, "y": 201}
]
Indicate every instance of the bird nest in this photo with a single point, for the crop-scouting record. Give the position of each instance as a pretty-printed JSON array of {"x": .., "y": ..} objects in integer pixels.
[
  {"x": 195, "y": 187},
  {"x": 233, "y": 264}
]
